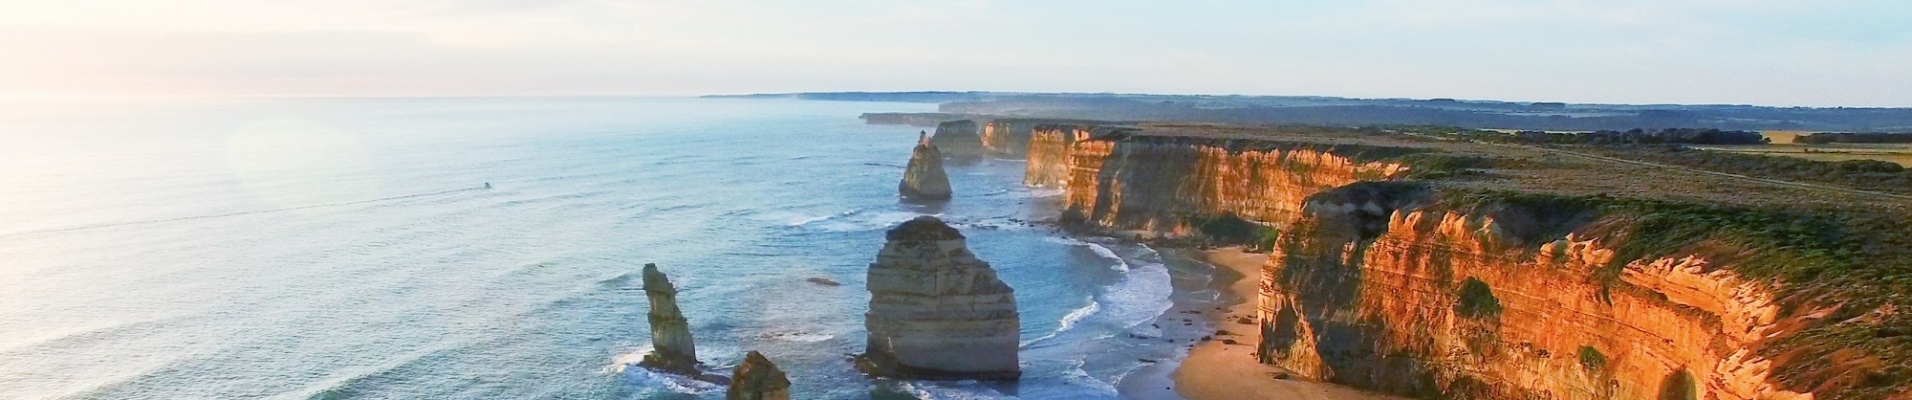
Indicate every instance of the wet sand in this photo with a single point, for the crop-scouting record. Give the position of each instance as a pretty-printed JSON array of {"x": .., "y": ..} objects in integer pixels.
[{"x": 1215, "y": 370}]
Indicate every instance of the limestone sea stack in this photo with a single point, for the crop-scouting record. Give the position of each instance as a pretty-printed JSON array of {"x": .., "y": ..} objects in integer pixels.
[
  {"x": 924, "y": 178},
  {"x": 958, "y": 141},
  {"x": 937, "y": 312},
  {"x": 758, "y": 379},
  {"x": 672, "y": 350}
]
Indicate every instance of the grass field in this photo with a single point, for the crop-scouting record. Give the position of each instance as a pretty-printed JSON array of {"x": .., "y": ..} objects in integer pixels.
[{"x": 1894, "y": 153}]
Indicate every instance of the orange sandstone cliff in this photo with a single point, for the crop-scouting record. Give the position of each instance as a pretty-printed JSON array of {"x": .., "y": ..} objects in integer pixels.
[{"x": 1381, "y": 280}]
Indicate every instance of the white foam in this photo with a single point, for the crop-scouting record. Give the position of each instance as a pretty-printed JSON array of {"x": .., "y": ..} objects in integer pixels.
[
  {"x": 799, "y": 337},
  {"x": 957, "y": 390},
  {"x": 1106, "y": 252},
  {"x": 1069, "y": 321}
]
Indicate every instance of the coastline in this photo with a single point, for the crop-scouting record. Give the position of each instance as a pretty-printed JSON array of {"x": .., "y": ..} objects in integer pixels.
[{"x": 1216, "y": 370}]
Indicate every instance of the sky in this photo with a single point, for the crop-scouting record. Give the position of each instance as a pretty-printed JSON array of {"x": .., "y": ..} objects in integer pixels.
[{"x": 1766, "y": 52}]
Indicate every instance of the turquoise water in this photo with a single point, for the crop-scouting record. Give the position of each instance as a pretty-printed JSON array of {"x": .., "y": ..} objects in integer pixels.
[{"x": 347, "y": 248}]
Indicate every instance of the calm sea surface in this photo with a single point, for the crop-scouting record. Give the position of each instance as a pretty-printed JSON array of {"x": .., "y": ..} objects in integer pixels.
[{"x": 348, "y": 248}]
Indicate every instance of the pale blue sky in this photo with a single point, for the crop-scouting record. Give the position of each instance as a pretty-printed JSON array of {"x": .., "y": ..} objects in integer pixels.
[{"x": 1794, "y": 52}]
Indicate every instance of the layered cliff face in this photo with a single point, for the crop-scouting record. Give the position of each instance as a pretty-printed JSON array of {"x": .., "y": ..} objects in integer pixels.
[
  {"x": 672, "y": 350},
  {"x": 924, "y": 178},
  {"x": 1458, "y": 288},
  {"x": 758, "y": 379},
  {"x": 959, "y": 141},
  {"x": 1007, "y": 137},
  {"x": 937, "y": 312},
  {"x": 1178, "y": 185},
  {"x": 1385, "y": 287},
  {"x": 1048, "y": 154}
]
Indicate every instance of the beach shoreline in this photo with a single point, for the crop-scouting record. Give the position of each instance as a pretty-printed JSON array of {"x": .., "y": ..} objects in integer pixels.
[{"x": 1218, "y": 370}]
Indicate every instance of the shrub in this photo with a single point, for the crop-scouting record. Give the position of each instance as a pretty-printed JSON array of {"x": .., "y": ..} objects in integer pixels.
[
  {"x": 1591, "y": 359},
  {"x": 1477, "y": 300}
]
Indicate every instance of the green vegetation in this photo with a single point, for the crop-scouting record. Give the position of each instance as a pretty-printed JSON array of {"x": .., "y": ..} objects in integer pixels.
[
  {"x": 1846, "y": 137},
  {"x": 1873, "y": 175},
  {"x": 1637, "y": 136},
  {"x": 1679, "y": 386},
  {"x": 1230, "y": 229},
  {"x": 1856, "y": 258},
  {"x": 1477, "y": 300},
  {"x": 1591, "y": 359},
  {"x": 1270, "y": 237}
]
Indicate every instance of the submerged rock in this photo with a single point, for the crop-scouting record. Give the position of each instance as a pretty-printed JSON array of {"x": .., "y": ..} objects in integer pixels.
[
  {"x": 924, "y": 178},
  {"x": 758, "y": 379},
  {"x": 937, "y": 312},
  {"x": 958, "y": 141},
  {"x": 670, "y": 333}
]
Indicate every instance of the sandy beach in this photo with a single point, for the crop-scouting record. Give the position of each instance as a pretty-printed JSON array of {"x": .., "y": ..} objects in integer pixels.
[{"x": 1216, "y": 370}]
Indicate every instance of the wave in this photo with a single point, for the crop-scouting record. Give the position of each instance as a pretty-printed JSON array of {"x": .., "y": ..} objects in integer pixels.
[
  {"x": 947, "y": 390},
  {"x": 1043, "y": 192},
  {"x": 1069, "y": 320},
  {"x": 799, "y": 337}
]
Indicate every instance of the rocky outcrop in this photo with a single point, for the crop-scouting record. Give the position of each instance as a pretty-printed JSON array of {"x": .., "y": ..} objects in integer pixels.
[
  {"x": 1178, "y": 186},
  {"x": 1386, "y": 284},
  {"x": 937, "y": 312},
  {"x": 1383, "y": 287},
  {"x": 758, "y": 379},
  {"x": 1009, "y": 137},
  {"x": 672, "y": 350},
  {"x": 958, "y": 141},
  {"x": 1048, "y": 154},
  {"x": 924, "y": 178}
]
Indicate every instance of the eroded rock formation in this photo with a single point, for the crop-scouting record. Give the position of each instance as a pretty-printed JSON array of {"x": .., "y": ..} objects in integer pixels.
[
  {"x": 672, "y": 350},
  {"x": 758, "y": 379},
  {"x": 924, "y": 178},
  {"x": 936, "y": 311},
  {"x": 1387, "y": 285},
  {"x": 1178, "y": 185},
  {"x": 1382, "y": 287},
  {"x": 958, "y": 141},
  {"x": 1009, "y": 137}
]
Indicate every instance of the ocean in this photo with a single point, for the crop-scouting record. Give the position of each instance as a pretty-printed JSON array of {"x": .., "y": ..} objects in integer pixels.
[{"x": 488, "y": 248}]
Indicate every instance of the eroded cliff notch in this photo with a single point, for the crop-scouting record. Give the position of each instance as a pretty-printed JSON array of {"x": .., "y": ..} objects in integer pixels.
[
  {"x": 758, "y": 379},
  {"x": 924, "y": 178},
  {"x": 672, "y": 350},
  {"x": 936, "y": 311}
]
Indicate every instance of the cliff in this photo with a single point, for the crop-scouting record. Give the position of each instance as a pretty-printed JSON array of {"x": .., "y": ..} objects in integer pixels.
[
  {"x": 1192, "y": 186},
  {"x": 758, "y": 379},
  {"x": 958, "y": 141},
  {"x": 1048, "y": 154},
  {"x": 924, "y": 178},
  {"x": 1009, "y": 137},
  {"x": 672, "y": 350},
  {"x": 1444, "y": 269},
  {"x": 937, "y": 312}
]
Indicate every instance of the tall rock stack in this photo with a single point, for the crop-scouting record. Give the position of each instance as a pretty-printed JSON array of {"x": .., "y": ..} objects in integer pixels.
[
  {"x": 924, "y": 179},
  {"x": 959, "y": 141},
  {"x": 758, "y": 379},
  {"x": 672, "y": 350},
  {"x": 937, "y": 312}
]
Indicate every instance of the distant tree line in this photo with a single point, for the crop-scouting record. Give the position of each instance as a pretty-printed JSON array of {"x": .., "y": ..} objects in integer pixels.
[
  {"x": 1867, "y": 137},
  {"x": 1641, "y": 136}
]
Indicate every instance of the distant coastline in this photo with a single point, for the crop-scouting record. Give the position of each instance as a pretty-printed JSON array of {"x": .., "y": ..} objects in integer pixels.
[{"x": 1340, "y": 111}]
